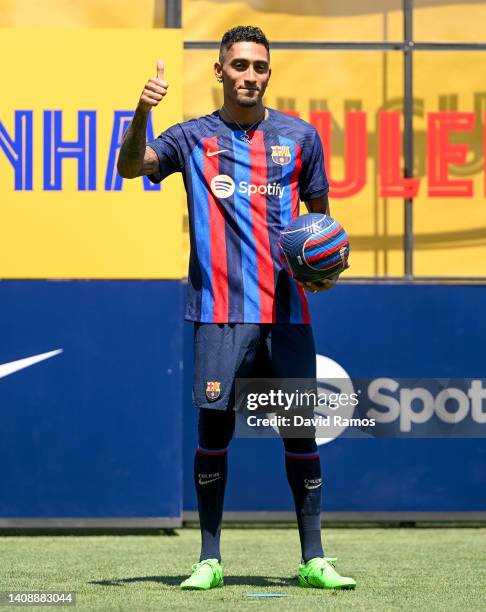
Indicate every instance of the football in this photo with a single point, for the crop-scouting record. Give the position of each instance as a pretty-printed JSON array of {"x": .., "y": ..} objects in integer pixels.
[{"x": 314, "y": 247}]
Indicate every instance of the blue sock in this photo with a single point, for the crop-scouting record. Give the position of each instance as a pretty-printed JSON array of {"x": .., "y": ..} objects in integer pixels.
[
  {"x": 210, "y": 470},
  {"x": 304, "y": 476}
]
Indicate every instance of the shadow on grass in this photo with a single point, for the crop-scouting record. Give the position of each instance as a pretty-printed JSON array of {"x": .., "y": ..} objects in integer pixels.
[
  {"x": 261, "y": 581},
  {"x": 85, "y": 531}
]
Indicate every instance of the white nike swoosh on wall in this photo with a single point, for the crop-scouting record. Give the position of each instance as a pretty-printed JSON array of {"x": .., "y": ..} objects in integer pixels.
[{"x": 14, "y": 366}]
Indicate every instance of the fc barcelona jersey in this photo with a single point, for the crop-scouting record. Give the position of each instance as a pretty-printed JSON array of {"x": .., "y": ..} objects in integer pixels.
[{"x": 240, "y": 196}]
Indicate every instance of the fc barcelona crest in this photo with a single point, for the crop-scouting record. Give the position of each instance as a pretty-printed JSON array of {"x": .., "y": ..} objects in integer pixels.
[
  {"x": 213, "y": 390},
  {"x": 281, "y": 155}
]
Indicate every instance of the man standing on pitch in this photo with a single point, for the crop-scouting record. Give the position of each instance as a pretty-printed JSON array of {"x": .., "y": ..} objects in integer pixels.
[{"x": 245, "y": 168}]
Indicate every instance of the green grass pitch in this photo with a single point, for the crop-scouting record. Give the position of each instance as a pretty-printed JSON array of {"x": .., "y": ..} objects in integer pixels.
[{"x": 396, "y": 569}]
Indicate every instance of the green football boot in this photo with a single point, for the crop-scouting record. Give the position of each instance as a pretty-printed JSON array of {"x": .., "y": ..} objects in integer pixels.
[
  {"x": 320, "y": 573},
  {"x": 207, "y": 574}
]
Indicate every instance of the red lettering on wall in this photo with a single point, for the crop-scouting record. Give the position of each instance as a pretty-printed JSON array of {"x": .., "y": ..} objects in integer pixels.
[
  {"x": 356, "y": 151},
  {"x": 392, "y": 182},
  {"x": 441, "y": 153}
]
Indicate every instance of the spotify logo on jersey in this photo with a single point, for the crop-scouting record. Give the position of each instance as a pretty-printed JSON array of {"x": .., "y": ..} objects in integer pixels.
[{"x": 223, "y": 186}]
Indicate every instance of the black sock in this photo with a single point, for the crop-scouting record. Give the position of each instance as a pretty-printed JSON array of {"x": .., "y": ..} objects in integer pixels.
[
  {"x": 304, "y": 476},
  {"x": 210, "y": 469}
]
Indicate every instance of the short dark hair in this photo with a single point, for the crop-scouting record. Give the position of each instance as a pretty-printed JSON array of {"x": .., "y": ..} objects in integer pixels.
[{"x": 242, "y": 34}]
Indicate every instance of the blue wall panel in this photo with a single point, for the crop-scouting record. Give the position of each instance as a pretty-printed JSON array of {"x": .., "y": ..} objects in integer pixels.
[
  {"x": 94, "y": 431},
  {"x": 375, "y": 330}
]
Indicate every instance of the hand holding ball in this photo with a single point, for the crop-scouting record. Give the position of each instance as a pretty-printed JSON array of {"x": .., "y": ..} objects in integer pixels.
[{"x": 314, "y": 248}]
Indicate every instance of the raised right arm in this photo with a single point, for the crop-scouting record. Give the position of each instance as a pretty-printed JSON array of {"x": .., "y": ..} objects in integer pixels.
[{"x": 135, "y": 158}]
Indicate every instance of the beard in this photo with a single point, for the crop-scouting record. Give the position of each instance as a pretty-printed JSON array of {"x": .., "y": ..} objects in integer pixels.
[{"x": 247, "y": 102}]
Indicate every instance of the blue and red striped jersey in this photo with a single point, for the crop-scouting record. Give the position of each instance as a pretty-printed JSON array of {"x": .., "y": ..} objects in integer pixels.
[{"x": 240, "y": 196}]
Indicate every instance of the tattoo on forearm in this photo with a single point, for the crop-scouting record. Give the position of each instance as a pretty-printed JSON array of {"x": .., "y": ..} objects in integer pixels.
[{"x": 132, "y": 150}]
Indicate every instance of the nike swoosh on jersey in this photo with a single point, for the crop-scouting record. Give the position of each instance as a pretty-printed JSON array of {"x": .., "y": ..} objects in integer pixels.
[
  {"x": 211, "y": 153},
  {"x": 14, "y": 366},
  {"x": 204, "y": 482},
  {"x": 313, "y": 486}
]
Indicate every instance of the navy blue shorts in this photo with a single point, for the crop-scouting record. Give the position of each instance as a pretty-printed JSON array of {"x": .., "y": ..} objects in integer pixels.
[{"x": 226, "y": 351}]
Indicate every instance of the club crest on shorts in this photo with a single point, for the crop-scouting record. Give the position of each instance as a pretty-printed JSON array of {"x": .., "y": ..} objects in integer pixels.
[
  {"x": 213, "y": 390},
  {"x": 281, "y": 155}
]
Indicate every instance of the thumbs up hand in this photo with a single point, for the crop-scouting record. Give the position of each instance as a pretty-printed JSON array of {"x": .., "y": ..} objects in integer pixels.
[{"x": 154, "y": 90}]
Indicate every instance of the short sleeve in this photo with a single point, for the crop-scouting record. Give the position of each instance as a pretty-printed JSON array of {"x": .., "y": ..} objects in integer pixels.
[
  {"x": 312, "y": 179},
  {"x": 167, "y": 147}
]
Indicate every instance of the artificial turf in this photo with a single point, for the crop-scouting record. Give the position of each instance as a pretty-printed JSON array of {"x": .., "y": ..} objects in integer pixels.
[{"x": 396, "y": 569}]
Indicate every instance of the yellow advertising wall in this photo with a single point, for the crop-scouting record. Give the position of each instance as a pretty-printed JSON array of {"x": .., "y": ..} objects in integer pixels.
[
  {"x": 450, "y": 232},
  {"x": 82, "y": 14},
  {"x": 323, "y": 20},
  {"x": 337, "y": 20},
  {"x": 99, "y": 231}
]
